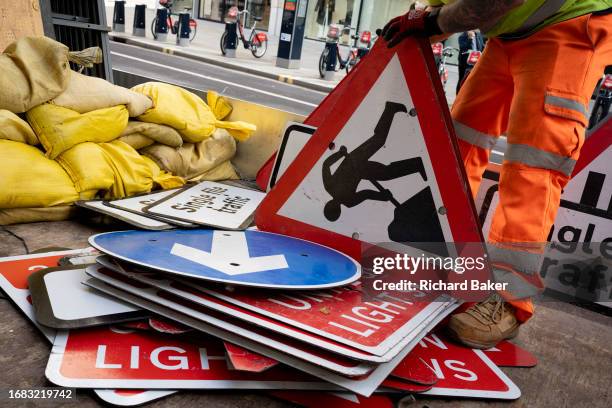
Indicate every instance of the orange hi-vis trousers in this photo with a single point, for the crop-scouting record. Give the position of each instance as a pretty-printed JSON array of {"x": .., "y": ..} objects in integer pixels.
[{"x": 536, "y": 91}]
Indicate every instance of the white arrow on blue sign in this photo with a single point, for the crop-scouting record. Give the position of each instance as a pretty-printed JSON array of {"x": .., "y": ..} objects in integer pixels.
[{"x": 249, "y": 258}]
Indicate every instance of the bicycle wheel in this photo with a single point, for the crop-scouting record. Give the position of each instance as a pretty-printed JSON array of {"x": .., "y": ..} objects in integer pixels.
[
  {"x": 258, "y": 47},
  {"x": 599, "y": 112},
  {"x": 350, "y": 64},
  {"x": 222, "y": 43},
  {"x": 323, "y": 62},
  {"x": 193, "y": 29},
  {"x": 153, "y": 24}
]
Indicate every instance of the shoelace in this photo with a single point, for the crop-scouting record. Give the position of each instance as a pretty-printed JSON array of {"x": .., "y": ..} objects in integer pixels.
[{"x": 489, "y": 311}]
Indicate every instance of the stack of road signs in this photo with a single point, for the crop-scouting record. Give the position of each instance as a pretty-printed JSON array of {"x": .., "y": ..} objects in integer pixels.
[
  {"x": 210, "y": 204},
  {"x": 290, "y": 343}
]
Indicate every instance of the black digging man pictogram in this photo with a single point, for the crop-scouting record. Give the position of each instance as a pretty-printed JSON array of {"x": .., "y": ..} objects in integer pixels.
[{"x": 357, "y": 166}]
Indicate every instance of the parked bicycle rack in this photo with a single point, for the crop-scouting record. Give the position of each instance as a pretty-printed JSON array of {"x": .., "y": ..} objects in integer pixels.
[
  {"x": 161, "y": 24},
  {"x": 182, "y": 34},
  {"x": 119, "y": 16},
  {"x": 140, "y": 23}
]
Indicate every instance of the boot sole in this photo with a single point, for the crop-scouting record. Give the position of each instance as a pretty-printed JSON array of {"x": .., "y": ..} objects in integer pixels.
[{"x": 479, "y": 345}]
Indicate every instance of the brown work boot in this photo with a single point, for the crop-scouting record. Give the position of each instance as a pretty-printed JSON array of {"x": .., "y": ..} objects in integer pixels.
[{"x": 485, "y": 324}]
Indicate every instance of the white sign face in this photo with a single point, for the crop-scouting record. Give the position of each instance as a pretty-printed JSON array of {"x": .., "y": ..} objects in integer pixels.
[
  {"x": 71, "y": 300},
  {"x": 395, "y": 181},
  {"x": 578, "y": 262},
  {"x": 575, "y": 188},
  {"x": 210, "y": 204},
  {"x": 575, "y": 263},
  {"x": 126, "y": 216},
  {"x": 295, "y": 137},
  {"x": 136, "y": 205},
  {"x": 285, "y": 37}
]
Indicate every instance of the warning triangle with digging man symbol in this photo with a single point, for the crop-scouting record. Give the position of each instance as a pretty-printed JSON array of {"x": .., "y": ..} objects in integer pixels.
[{"x": 382, "y": 167}]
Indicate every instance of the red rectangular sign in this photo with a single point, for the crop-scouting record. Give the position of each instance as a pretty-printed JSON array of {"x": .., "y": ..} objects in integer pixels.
[
  {"x": 461, "y": 371},
  {"x": 104, "y": 358},
  {"x": 344, "y": 315}
]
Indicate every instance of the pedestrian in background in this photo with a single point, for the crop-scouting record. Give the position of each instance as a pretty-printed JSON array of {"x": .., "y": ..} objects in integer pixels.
[{"x": 468, "y": 41}]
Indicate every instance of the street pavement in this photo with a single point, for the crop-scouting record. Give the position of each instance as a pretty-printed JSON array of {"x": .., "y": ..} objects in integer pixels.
[{"x": 202, "y": 76}]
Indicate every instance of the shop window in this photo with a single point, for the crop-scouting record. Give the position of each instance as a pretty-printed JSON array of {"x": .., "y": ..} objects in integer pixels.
[{"x": 322, "y": 13}]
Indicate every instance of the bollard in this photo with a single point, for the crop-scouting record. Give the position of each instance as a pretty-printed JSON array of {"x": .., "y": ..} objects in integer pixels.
[
  {"x": 119, "y": 16},
  {"x": 231, "y": 39},
  {"x": 332, "y": 60},
  {"x": 139, "y": 28},
  {"x": 161, "y": 24},
  {"x": 183, "y": 31}
]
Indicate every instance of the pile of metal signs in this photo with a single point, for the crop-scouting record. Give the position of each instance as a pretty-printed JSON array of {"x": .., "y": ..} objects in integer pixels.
[
  {"x": 154, "y": 333},
  {"x": 227, "y": 205}
]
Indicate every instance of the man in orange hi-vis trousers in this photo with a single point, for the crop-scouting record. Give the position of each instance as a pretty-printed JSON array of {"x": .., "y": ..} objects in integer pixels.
[{"x": 533, "y": 83}]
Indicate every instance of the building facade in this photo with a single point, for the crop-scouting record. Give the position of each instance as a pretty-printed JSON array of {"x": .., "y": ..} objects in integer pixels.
[{"x": 362, "y": 15}]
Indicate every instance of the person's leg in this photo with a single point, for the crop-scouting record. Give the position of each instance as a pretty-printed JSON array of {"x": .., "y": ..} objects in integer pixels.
[
  {"x": 480, "y": 116},
  {"x": 554, "y": 73},
  {"x": 480, "y": 112},
  {"x": 462, "y": 65}
]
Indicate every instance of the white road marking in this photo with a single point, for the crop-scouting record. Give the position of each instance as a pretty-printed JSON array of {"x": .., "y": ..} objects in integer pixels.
[
  {"x": 215, "y": 79},
  {"x": 230, "y": 254}
]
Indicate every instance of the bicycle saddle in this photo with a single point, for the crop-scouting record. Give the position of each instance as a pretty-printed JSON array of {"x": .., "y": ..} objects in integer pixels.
[{"x": 258, "y": 18}]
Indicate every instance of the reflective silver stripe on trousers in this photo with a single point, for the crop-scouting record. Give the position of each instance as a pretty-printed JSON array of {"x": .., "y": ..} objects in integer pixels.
[
  {"x": 515, "y": 285},
  {"x": 523, "y": 261},
  {"x": 473, "y": 136},
  {"x": 566, "y": 103},
  {"x": 548, "y": 9},
  {"x": 534, "y": 157}
]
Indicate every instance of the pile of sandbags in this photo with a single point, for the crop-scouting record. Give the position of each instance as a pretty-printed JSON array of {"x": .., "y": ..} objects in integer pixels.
[{"x": 66, "y": 137}]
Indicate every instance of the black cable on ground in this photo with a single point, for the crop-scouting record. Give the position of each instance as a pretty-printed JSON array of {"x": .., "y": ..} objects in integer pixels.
[{"x": 23, "y": 242}]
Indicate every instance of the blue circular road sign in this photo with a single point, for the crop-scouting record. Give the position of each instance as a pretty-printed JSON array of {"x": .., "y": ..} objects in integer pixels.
[{"x": 250, "y": 258}]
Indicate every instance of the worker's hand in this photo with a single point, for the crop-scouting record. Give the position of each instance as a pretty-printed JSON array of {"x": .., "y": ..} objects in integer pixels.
[{"x": 415, "y": 22}]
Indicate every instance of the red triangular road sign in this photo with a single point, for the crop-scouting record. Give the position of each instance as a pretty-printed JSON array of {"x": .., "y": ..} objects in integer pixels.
[{"x": 383, "y": 165}]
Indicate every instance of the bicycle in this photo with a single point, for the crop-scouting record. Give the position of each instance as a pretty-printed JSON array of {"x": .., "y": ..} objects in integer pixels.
[
  {"x": 441, "y": 54},
  {"x": 257, "y": 42},
  {"x": 333, "y": 40},
  {"x": 358, "y": 53},
  {"x": 173, "y": 25}
]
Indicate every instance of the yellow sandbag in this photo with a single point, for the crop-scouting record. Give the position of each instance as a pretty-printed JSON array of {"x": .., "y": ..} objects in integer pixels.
[
  {"x": 158, "y": 133},
  {"x": 29, "y": 179},
  {"x": 163, "y": 179},
  {"x": 58, "y": 129},
  {"x": 12, "y": 127},
  {"x": 193, "y": 159},
  {"x": 187, "y": 113},
  {"x": 219, "y": 105},
  {"x": 12, "y": 216},
  {"x": 241, "y": 131},
  {"x": 114, "y": 169},
  {"x": 137, "y": 141},
  {"x": 33, "y": 70},
  {"x": 224, "y": 171},
  {"x": 85, "y": 94}
]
